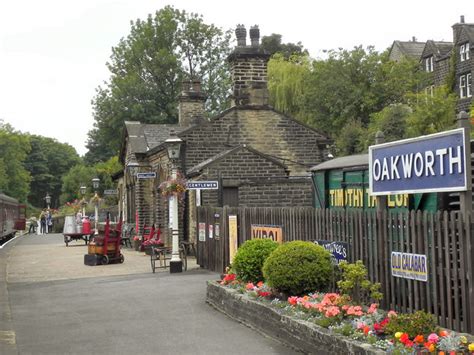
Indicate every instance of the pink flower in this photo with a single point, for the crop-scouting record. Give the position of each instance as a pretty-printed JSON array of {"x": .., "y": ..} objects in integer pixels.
[
  {"x": 373, "y": 308},
  {"x": 332, "y": 311},
  {"x": 433, "y": 338},
  {"x": 391, "y": 314},
  {"x": 250, "y": 286}
]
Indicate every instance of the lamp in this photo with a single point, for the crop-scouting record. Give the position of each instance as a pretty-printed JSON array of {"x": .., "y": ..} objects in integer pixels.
[
  {"x": 47, "y": 198},
  {"x": 173, "y": 146},
  {"x": 95, "y": 185},
  {"x": 83, "y": 190}
]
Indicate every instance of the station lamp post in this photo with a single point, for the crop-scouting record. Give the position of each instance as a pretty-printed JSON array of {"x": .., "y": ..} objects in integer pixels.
[
  {"x": 95, "y": 185},
  {"x": 47, "y": 198},
  {"x": 173, "y": 145},
  {"x": 83, "y": 190},
  {"x": 133, "y": 169}
]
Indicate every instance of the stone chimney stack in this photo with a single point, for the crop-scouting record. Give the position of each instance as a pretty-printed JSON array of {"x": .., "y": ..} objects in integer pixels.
[
  {"x": 249, "y": 69},
  {"x": 457, "y": 29},
  {"x": 191, "y": 104}
]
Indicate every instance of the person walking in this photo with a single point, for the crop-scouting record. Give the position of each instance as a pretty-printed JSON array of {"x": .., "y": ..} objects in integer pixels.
[{"x": 49, "y": 222}]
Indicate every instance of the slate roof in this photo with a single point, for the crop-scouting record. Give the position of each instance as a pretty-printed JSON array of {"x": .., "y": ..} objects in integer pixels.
[
  {"x": 343, "y": 162},
  {"x": 410, "y": 49},
  {"x": 143, "y": 137}
]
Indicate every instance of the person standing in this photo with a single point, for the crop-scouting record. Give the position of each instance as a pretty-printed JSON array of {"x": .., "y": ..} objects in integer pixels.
[
  {"x": 49, "y": 222},
  {"x": 43, "y": 221}
]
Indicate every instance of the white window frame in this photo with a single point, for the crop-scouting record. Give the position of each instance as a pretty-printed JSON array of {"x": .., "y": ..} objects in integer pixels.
[
  {"x": 462, "y": 86},
  {"x": 464, "y": 52},
  {"x": 469, "y": 85},
  {"x": 429, "y": 64}
]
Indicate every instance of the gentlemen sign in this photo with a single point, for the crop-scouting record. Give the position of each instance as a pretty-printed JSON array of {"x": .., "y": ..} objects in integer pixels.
[
  {"x": 202, "y": 185},
  {"x": 433, "y": 163},
  {"x": 146, "y": 175}
]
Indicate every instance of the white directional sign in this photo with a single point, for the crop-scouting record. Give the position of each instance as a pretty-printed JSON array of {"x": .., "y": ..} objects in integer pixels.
[
  {"x": 202, "y": 185},
  {"x": 146, "y": 175},
  {"x": 110, "y": 192}
]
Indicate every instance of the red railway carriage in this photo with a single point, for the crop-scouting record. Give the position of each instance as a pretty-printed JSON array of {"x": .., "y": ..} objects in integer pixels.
[{"x": 12, "y": 217}]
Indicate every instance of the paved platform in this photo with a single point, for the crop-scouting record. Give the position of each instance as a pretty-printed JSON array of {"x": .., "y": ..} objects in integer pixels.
[
  {"x": 46, "y": 258},
  {"x": 51, "y": 303}
]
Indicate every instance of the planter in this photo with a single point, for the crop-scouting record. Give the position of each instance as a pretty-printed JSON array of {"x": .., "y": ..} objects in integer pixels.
[
  {"x": 299, "y": 334},
  {"x": 136, "y": 245}
]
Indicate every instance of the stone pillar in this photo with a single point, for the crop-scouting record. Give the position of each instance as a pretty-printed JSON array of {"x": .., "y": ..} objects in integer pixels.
[{"x": 191, "y": 104}]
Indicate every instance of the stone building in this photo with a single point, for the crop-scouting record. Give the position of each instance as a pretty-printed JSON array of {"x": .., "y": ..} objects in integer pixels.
[
  {"x": 258, "y": 156},
  {"x": 444, "y": 59}
]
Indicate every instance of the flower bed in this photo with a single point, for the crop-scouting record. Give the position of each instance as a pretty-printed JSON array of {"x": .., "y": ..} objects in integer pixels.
[{"x": 327, "y": 323}]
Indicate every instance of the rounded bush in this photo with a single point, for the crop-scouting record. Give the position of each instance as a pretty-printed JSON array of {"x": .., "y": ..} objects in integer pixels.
[
  {"x": 248, "y": 260},
  {"x": 298, "y": 267}
]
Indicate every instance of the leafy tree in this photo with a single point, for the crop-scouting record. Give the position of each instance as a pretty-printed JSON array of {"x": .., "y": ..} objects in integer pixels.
[
  {"x": 81, "y": 175},
  {"x": 392, "y": 121},
  {"x": 432, "y": 114},
  {"x": 147, "y": 68},
  {"x": 14, "y": 148},
  {"x": 272, "y": 44},
  {"x": 286, "y": 78},
  {"x": 48, "y": 161},
  {"x": 352, "y": 85},
  {"x": 351, "y": 139}
]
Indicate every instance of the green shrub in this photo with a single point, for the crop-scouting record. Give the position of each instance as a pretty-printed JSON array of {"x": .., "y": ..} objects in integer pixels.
[
  {"x": 356, "y": 284},
  {"x": 414, "y": 324},
  {"x": 248, "y": 260},
  {"x": 298, "y": 267}
]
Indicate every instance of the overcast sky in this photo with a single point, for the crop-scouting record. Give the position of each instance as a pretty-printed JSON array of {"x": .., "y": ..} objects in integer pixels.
[{"x": 53, "y": 52}]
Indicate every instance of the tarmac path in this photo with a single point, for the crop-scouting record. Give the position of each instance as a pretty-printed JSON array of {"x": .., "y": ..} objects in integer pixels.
[{"x": 51, "y": 303}]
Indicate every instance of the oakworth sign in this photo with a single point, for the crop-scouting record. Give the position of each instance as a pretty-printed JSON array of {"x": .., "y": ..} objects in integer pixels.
[{"x": 432, "y": 163}]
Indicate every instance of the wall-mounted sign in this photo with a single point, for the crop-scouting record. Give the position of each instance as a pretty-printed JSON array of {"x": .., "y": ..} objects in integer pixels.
[
  {"x": 217, "y": 231},
  {"x": 149, "y": 175},
  {"x": 202, "y": 185},
  {"x": 233, "y": 237},
  {"x": 433, "y": 163},
  {"x": 111, "y": 192},
  {"x": 202, "y": 232},
  {"x": 260, "y": 231},
  {"x": 211, "y": 230},
  {"x": 339, "y": 250},
  {"x": 409, "y": 266}
]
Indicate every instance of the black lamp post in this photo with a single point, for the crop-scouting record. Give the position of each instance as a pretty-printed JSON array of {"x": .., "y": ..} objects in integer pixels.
[
  {"x": 95, "y": 185},
  {"x": 48, "y": 200}
]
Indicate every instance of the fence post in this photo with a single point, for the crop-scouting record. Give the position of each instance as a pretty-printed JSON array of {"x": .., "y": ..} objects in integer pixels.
[{"x": 466, "y": 211}]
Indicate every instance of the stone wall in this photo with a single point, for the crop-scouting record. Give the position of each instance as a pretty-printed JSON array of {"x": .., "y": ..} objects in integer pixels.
[{"x": 301, "y": 335}]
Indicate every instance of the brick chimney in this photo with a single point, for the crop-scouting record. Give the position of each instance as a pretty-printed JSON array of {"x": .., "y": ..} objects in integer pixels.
[
  {"x": 191, "y": 104},
  {"x": 248, "y": 69}
]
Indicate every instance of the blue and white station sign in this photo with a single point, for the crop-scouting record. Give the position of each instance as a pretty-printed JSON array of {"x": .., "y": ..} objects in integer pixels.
[{"x": 432, "y": 163}]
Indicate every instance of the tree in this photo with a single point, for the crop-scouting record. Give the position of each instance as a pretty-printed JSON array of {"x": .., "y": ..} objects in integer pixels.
[
  {"x": 272, "y": 44},
  {"x": 286, "y": 79},
  {"x": 48, "y": 161},
  {"x": 351, "y": 85},
  {"x": 81, "y": 175},
  {"x": 392, "y": 121},
  {"x": 147, "y": 68},
  {"x": 351, "y": 139},
  {"x": 432, "y": 114},
  {"x": 14, "y": 149}
]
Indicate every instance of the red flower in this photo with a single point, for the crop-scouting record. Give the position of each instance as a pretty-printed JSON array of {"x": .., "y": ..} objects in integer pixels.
[
  {"x": 366, "y": 330},
  {"x": 228, "y": 278},
  {"x": 293, "y": 300},
  {"x": 404, "y": 338},
  {"x": 419, "y": 339},
  {"x": 264, "y": 293}
]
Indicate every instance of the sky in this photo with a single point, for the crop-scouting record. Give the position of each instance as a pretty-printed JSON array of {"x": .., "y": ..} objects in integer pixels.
[{"x": 53, "y": 53}]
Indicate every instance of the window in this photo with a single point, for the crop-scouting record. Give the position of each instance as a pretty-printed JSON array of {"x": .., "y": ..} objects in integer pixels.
[
  {"x": 464, "y": 52},
  {"x": 465, "y": 85},
  {"x": 429, "y": 64},
  {"x": 429, "y": 91}
]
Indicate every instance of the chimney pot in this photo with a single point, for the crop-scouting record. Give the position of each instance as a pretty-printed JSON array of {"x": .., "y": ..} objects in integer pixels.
[
  {"x": 413, "y": 39},
  {"x": 254, "y": 36},
  {"x": 241, "y": 34},
  {"x": 462, "y": 18}
]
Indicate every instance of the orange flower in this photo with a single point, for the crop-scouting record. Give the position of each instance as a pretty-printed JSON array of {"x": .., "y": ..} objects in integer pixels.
[
  {"x": 419, "y": 339},
  {"x": 366, "y": 330},
  {"x": 443, "y": 333},
  {"x": 441, "y": 353}
]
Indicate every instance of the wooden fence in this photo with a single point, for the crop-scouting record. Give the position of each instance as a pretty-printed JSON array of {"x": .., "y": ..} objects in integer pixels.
[{"x": 445, "y": 238}]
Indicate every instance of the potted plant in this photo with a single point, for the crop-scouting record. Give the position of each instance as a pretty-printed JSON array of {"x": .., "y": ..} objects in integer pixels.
[
  {"x": 148, "y": 244},
  {"x": 173, "y": 186},
  {"x": 136, "y": 242}
]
